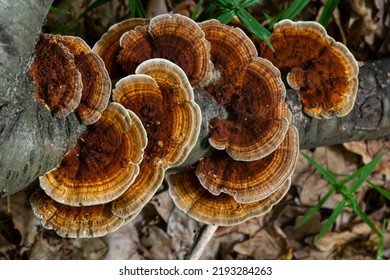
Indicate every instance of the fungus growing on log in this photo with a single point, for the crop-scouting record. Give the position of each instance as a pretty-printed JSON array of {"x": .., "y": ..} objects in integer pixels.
[
  {"x": 160, "y": 94},
  {"x": 108, "y": 46},
  {"x": 71, "y": 222},
  {"x": 104, "y": 162},
  {"x": 222, "y": 210},
  {"x": 176, "y": 38},
  {"x": 324, "y": 71},
  {"x": 102, "y": 166},
  {"x": 70, "y": 77},
  {"x": 252, "y": 92},
  {"x": 250, "y": 181},
  {"x": 58, "y": 81},
  {"x": 257, "y": 148}
]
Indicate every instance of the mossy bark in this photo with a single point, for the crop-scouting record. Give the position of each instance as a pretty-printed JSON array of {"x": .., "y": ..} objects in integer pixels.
[{"x": 32, "y": 141}]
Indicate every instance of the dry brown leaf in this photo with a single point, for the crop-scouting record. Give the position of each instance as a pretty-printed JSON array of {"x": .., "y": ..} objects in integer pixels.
[
  {"x": 268, "y": 243},
  {"x": 124, "y": 244},
  {"x": 368, "y": 150},
  {"x": 163, "y": 204},
  {"x": 157, "y": 243}
]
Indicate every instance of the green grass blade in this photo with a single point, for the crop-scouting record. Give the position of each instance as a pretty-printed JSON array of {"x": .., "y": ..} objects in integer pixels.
[
  {"x": 327, "y": 175},
  {"x": 140, "y": 11},
  {"x": 327, "y": 12},
  {"x": 315, "y": 209},
  {"x": 132, "y": 8},
  {"x": 207, "y": 13},
  {"x": 196, "y": 11},
  {"x": 254, "y": 26},
  {"x": 57, "y": 10},
  {"x": 367, "y": 220},
  {"x": 360, "y": 171},
  {"x": 225, "y": 3},
  {"x": 247, "y": 3},
  {"x": 225, "y": 16},
  {"x": 332, "y": 218},
  {"x": 291, "y": 12},
  {"x": 294, "y": 9},
  {"x": 93, "y": 6},
  {"x": 381, "y": 244},
  {"x": 63, "y": 29},
  {"x": 383, "y": 192},
  {"x": 366, "y": 171}
]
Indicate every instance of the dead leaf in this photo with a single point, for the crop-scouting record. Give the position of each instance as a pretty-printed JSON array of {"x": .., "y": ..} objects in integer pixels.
[
  {"x": 163, "y": 204},
  {"x": 268, "y": 243}
]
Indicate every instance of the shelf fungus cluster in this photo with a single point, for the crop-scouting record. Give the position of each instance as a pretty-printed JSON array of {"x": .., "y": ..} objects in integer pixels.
[
  {"x": 256, "y": 148},
  {"x": 120, "y": 161},
  {"x": 70, "y": 77},
  {"x": 153, "y": 122},
  {"x": 324, "y": 71}
]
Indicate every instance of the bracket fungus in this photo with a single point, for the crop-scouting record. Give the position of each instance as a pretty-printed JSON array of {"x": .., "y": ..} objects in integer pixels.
[
  {"x": 102, "y": 166},
  {"x": 324, "y": 71},
  {"x": 222, "y": 210},
  {"x": 256, "y": 147},
  {"x": 160, "y": 94},
  {"x": 222, "y": 191},
  {"x": 70, "y": 77},
  {"x": 253, "y": 180},
  {"x": 104, "y": 162},
  {"x": 176, "y": 38},
  {"x": 58, "y": 82},
  {"x": 108, "y": 46},
  {"x": 252, "y": 92}
]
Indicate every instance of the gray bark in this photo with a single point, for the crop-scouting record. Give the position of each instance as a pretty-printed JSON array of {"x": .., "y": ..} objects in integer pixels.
[{"x": 32, "y": 141}]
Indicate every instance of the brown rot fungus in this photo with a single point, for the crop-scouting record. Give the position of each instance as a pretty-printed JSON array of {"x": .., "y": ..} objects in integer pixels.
[
  {"x": 108, "y": 46},
  {"x": 102, "y": 166},
  {"x": 222, "y": 210},
  {"x": 70, "y": 77},
  {"x": 57, "y": 79},
  {"x": 256, "y": 146},
  {"x": 104, "y": 162},
  {"x": 324, "y": 71},
  {"x": 252, "y": 92},
  {"x": 160, "y": 94}
]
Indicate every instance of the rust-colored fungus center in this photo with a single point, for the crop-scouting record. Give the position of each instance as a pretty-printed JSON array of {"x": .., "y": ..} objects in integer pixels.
[
  {"x": 58, "y": 82},
  {"x": 323, "y": 70}
]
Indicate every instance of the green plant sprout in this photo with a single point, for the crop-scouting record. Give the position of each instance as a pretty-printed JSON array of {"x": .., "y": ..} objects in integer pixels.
[
  {"x": 349, "y": 199},
  {"x": 225, "y": 10},
  {"x": 135, "y": 6},
  {"x": 327, "y": 12}
]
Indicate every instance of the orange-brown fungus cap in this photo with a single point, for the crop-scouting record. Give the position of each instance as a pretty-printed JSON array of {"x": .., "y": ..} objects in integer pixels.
[
  {"x": 250, "y": 181},
  {"x": 68, "y": 221},
  {"x": 108, "y": 46},
  {"x": 96, "y": 81},
  {"x": 104, "y": 162},
  {"x": 176, "y": 38},
  {"x": 197, "y": 202},
  {"x": 58, "y": 81},
  {"x": 324, "y": 71},
  {"x": 252, "y": 92},
  {"x": 162, "y": 97}
]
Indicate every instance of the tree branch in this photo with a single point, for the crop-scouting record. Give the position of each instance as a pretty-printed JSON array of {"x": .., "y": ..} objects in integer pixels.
[{"x": 32, "y": 141}]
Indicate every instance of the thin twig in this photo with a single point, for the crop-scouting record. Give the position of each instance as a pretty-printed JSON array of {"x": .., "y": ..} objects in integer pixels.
[{"x": 201, "y": 242}]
